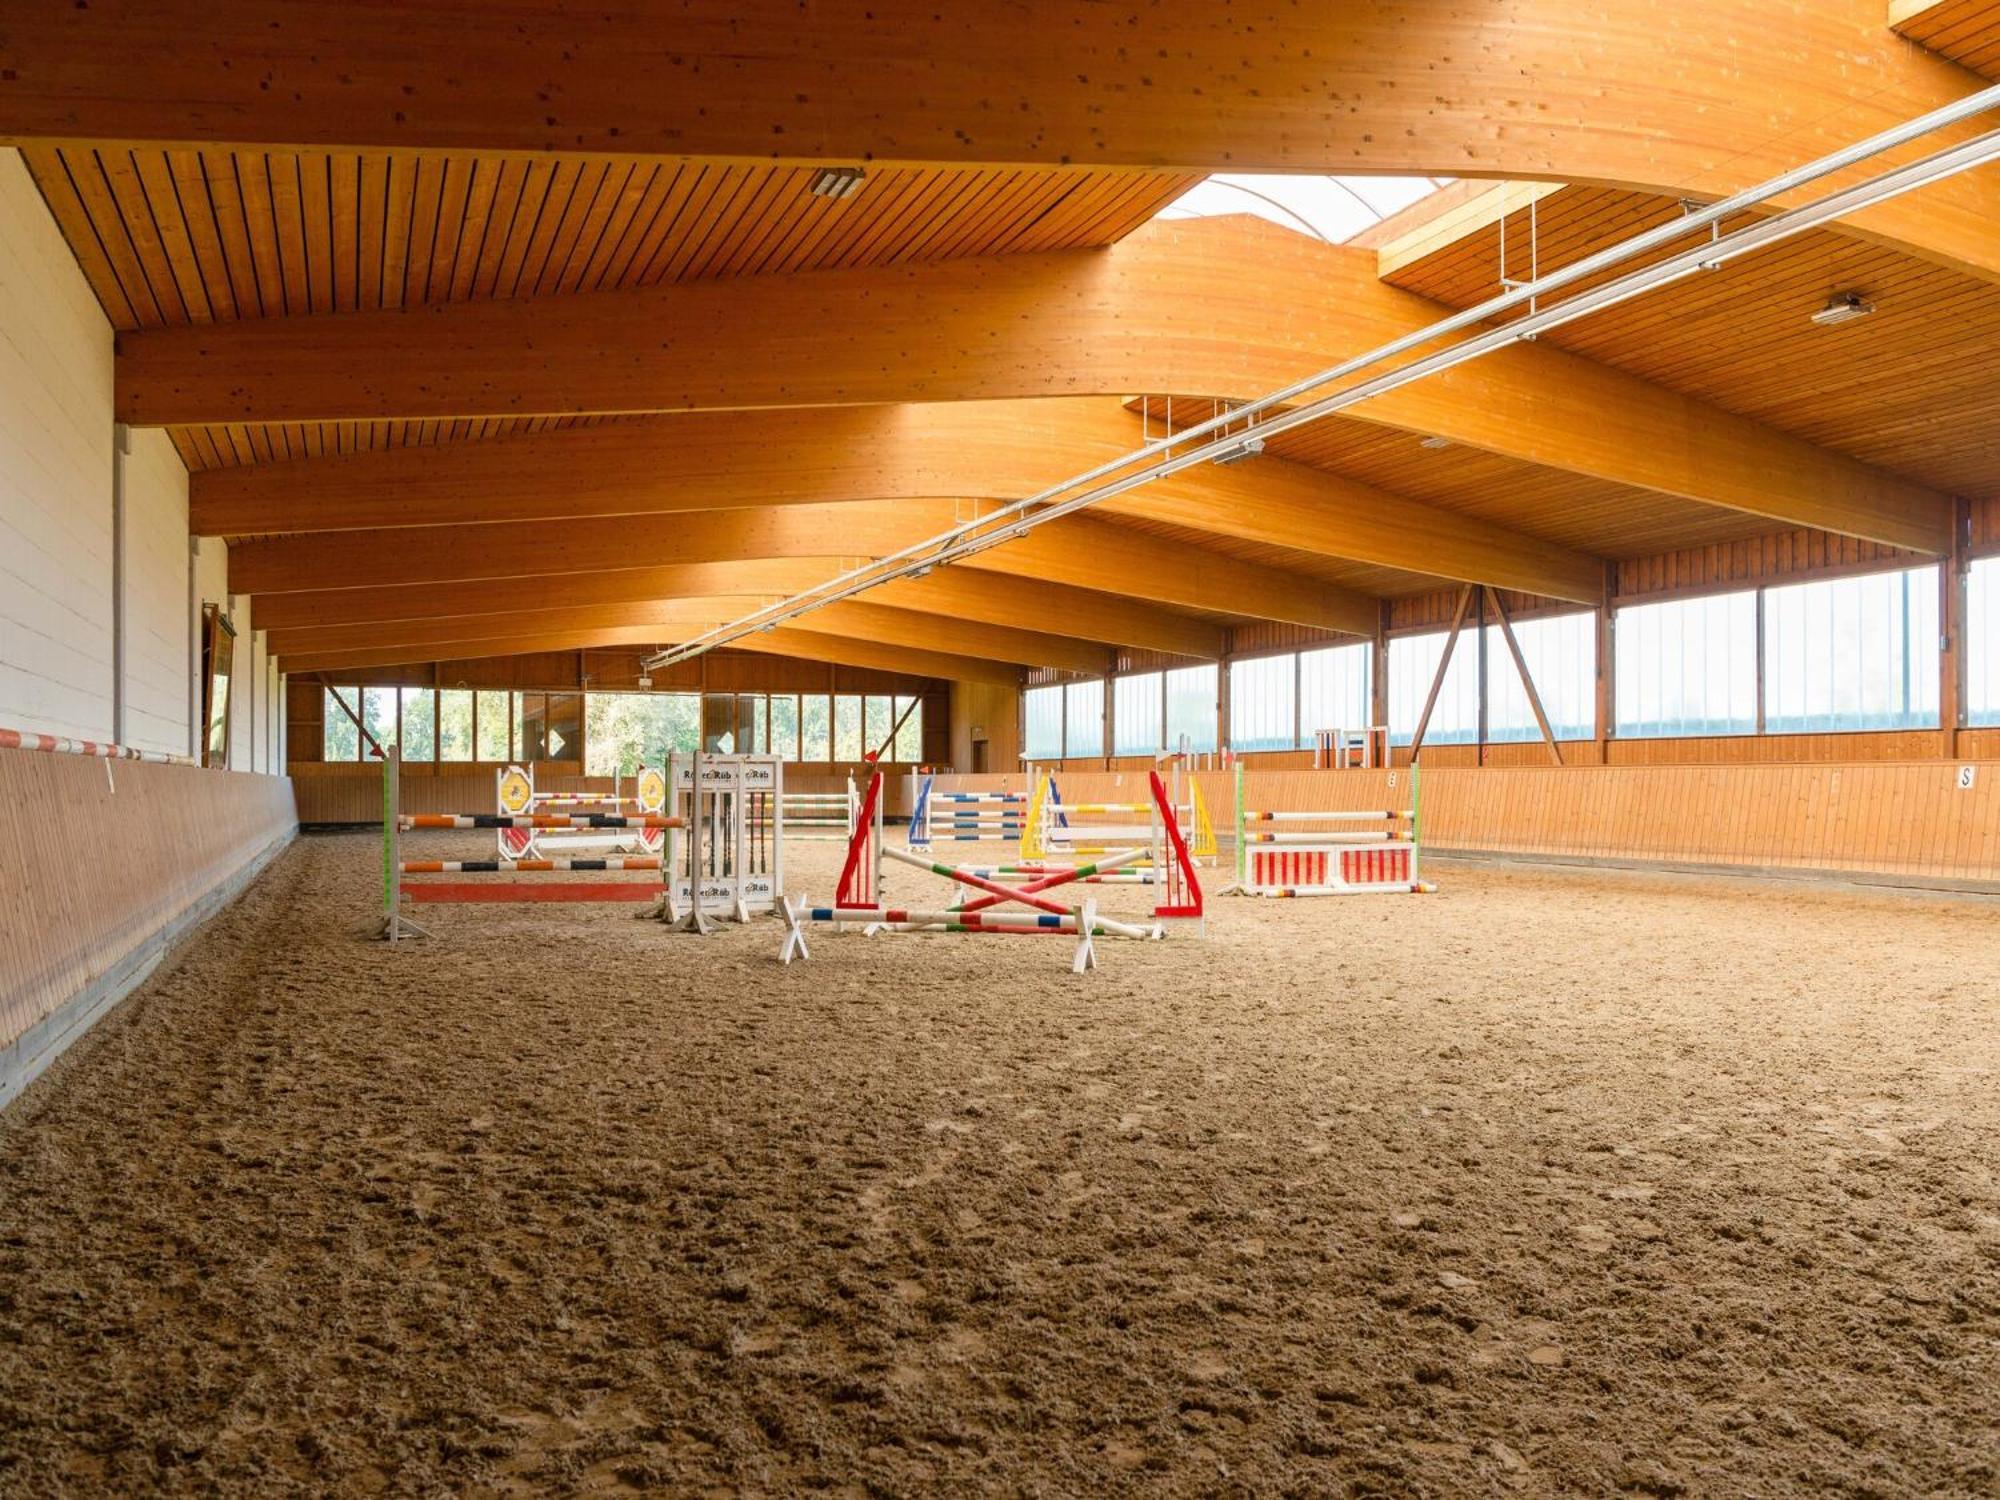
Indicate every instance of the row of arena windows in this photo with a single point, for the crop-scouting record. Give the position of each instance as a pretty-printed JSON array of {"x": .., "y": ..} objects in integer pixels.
[
  {"x": 615, "y": 733},
  {"x": 1841, "y": 654}
]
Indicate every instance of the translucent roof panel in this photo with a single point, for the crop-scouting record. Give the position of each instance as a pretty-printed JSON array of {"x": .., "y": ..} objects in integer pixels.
[{"x": 1333, "y": 208}]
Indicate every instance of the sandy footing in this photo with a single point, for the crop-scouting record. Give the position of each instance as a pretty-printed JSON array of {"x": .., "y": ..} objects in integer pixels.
[{"x": 1551, "y": 1182}]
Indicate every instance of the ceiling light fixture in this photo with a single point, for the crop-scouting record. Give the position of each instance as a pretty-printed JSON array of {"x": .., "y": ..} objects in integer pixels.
[
  {"x": 837, "y": 182},
  {"x": 1248, "y": 448},
  {"x": 1843, "y": 309}
]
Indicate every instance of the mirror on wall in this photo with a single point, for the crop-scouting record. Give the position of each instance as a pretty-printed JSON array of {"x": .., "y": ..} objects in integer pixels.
[{"x": 218, "y": 656}]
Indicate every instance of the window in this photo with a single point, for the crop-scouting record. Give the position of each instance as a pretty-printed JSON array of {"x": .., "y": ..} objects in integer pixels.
[
  {"x": 1413, "y": 664},
  {"x": 847, "y": 727},
  {"x": 1263, "y": 703},
  {"x": 1335, "y": 690},
  {"x": 454, "y": 724},
  {"x": 340, "y": 740},
  {"x": 1852, "y": 653},
  {"x": 1687, "y": 666},
  {"x": 378, "y": 712},
  {"x": 815, "y": 727},
  {"x": 785, "y": 728},
  {"x": 218, "y": 660},
  {"x": 529, "y": 737},
  {"x": 1138, "y": 714},
  {"x": 1192, "y": 697},
  {"x": 419, "y": 724},
  {"x": 1982, "y": 642},
  {"x": 1045, "y": 723},
  {"x": 877, "y": 719},
  {"x": 909, "y": 746},
  {"x": 494, "y": 722},
  {"x": 624, "y": 731},
  {"x": 1561, "y": 653},
  {"x": 1083, "y": 718}
]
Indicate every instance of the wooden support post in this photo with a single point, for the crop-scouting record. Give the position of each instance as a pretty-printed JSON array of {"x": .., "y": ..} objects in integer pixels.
[
  {"x": 1479, "y": 645},
  {"x": 1444, "y": 666},
  {"x": 1378, "y": 683},
  {"x": 1606, "y": 680},
  {"x": 1527, "y": 680},
  {"x": 366, "y": 738},
  {"x": 1952, "y": 613}
]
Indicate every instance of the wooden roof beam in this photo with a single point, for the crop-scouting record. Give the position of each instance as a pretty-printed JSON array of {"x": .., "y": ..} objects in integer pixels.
[
  {"x": 1078, "y": 551},
  {"x": 1001, "y": 327},
  {"x": 803, "y": 644},
  {"x": 982, "y": 449},
  {"x": 851, "y": 621},
  {"x": 1528, "y": 89},
  {"x": 991, "y": 598}
]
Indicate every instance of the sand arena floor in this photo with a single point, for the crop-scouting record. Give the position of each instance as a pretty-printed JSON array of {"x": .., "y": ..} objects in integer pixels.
[{"x": 1554, "y": 1182}]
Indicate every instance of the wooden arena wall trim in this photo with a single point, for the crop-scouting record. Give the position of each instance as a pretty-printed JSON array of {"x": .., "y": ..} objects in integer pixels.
[
  {"x": 173, "y": 845},
  {"x": 1900, "y": 818}
]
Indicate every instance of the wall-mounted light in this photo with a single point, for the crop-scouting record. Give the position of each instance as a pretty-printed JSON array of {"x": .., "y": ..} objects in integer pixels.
[
  {"x": 837, "y": 182},
  {"x": 1843, "y": 309}
]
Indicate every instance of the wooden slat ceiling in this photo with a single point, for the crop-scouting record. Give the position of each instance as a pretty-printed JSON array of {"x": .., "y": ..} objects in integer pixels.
[
  {"x": 195, "y": 236},
  {"x": 1610, "y": 520},
  {"x": 1966, "y": 31},
  {"x": 1910, "y": 388}
]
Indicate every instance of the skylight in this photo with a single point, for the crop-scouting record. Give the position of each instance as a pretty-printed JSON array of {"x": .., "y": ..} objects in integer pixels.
[{"x": 1334, "y": 209}]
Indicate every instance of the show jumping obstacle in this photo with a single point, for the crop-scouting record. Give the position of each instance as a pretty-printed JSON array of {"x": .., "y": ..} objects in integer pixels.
[
  {"x": 832, "y": 812},
  {"x": 859, "y": 897},
  {"x": 1350, "y": 749},
  {"x": 514, "y": 792},
  {"x": 1341, "y": 860},
  {"x": 396, "y": 823},
  {"x": 1059, "y": 833},
  {"x": 727, "y": 859},
  {"x": 964, "y": 817}
]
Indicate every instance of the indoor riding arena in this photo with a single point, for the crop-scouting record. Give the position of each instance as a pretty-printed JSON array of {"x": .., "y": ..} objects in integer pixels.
[{"x": 573, "y": 581}]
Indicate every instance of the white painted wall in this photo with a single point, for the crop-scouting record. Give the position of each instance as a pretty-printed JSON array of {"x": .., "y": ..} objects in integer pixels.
[
  {"x": 57, "y": 479},
  {"x": 55, "y": 476},
  {"x": 156, "y": 608}
]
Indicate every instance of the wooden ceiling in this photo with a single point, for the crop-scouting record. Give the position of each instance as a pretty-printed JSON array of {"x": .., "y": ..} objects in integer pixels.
[
  {"x": 176, "y": 237},
  {"x": 1909, "y": 388},
  {"x": 1966, "y": 31},
  {"x": 1710, "y": 413}
]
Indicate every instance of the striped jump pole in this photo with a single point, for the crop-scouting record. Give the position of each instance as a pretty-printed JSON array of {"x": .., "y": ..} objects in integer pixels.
[
  {"x": 524, "y": 866},
  {"x": 57, "y": 744},
  {"x": 411, "y": 821}
]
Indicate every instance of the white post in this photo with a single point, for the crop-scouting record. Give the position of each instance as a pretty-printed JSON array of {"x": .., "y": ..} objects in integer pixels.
[{"x": 696, "y": 920}]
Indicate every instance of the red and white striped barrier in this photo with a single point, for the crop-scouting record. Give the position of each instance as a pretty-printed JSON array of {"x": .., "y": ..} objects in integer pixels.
[
  {"x": 1349, "y": 852},
  {"x": 55, "y": 744}
]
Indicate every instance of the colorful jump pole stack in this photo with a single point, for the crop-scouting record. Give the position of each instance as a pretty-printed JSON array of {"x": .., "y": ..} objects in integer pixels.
[
  {"x": 965, "y": 817},
  {"x": 1340, "y": 855}
]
